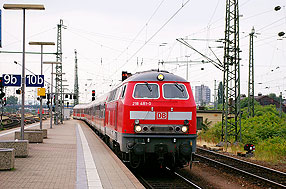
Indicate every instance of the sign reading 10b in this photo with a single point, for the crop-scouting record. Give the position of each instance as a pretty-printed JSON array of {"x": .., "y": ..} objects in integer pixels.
[{"x": 34, "y": 80}]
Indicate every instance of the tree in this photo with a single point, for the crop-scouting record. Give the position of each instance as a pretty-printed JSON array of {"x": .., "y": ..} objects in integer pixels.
[
  {"x": 244, "y": 103},
  {"x": 220, "y": 93},
  {"x": 12, "y": 100},
  {"x": 273, "y": 96}
]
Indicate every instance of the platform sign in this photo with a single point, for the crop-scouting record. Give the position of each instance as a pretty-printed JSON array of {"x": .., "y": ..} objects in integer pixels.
[
  {"x": 34, "y": 80},
  {"x": 10, "y": 80}
]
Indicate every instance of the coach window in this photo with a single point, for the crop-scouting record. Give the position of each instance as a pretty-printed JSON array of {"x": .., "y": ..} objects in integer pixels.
[
  {"x": 123, "y": 91},
  {"x": 112, "y": 95},
  {"x": 118, "y": 91},
  {"x": 146, "y": 90},
  {"x": 175, "y": 91}
]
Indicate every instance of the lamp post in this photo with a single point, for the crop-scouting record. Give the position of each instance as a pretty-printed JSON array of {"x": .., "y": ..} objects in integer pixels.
[
  {"x": 41, "y": 100},
  {"x": 187, "y": 75},
  {"x": 160, "y": 45},
  {"x": 51, "y": 96},
  {"x": 23, "y": 7}
]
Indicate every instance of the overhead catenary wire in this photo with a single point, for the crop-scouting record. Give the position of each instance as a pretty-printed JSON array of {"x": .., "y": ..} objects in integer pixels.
[
  {"x": 113, "y": 37},
  {"x": 264, "y": 12},
  {"x": 250, "y": 16},
  {"x": 183, "y": 5},
  {"x": 31, "y": 71},
  {"x": 159, "y": 30},
  {"x": 214, "y": 12},
  {"x": 266, "y": 27},
  {"x": 244, "y": 2},
  {"x": 140, "y": 31},
  {"x": 262, "y": 41},
  {"x": 276, "y": 21},
  {"x": 219, "y": 19},
  {"x": 91, "y": 40},
  {"x": 28, "y": 37}
]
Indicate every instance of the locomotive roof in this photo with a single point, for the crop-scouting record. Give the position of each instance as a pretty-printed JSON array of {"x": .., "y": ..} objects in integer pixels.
[
  {"x": 152, "y": 76},
  {"x": 79, "y": 106}
]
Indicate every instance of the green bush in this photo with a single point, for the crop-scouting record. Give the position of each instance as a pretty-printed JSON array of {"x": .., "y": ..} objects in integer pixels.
[
  {"x": 266, "y": 130},
  {"x": 272, "y": 149}
]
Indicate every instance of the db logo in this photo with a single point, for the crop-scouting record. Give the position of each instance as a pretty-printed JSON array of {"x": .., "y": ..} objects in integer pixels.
[{"x": 161, "y": 115}]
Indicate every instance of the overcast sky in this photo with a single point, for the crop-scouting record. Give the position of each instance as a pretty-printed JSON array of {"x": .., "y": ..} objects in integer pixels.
[{"x": 111, "y": 36}]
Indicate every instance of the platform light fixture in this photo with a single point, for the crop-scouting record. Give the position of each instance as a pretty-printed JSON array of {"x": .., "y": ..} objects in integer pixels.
[
  {"x": 41, "y": 100},
  {"x": 23, "y": 7}
]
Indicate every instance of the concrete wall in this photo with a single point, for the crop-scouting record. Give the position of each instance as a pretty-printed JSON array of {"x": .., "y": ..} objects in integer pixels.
[{"x": 212, "y": 115}]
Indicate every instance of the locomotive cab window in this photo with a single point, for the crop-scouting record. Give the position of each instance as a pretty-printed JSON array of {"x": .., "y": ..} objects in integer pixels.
[
  {"x": 146, "y": 90},
  {"x": 175, "y": 91}
]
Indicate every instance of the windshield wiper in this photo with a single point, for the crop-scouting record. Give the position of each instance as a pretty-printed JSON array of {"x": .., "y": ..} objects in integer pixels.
[
  {"x": 148, "y": 86},
  {"x": 180, "y": 88}
]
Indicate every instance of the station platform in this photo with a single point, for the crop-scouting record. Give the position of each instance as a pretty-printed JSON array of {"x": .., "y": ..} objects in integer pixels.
[{"x": 72, "y": 156}]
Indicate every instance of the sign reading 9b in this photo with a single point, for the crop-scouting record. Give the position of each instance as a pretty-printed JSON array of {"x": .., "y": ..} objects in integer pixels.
[{"x": 11, "y": 80}]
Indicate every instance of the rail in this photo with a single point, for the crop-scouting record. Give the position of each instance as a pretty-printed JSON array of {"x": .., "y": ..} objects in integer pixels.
[
  {"x": 260, "y": 173},
  {"x": 165, "y": 178}
]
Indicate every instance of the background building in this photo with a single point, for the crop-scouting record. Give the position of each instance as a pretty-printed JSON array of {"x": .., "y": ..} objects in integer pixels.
[
  {"x": 265, "y": 100},
  {"x": 202, "y": 95}
]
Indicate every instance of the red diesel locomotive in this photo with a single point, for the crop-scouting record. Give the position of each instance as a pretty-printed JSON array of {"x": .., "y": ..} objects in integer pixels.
[{"x": 149, "y": 117}]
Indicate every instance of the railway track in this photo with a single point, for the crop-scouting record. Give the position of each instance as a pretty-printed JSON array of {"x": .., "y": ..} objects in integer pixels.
[
  {"x": 12, "y": 124},
  {"x": 155, "y": 178},
  {"x": 164, "y": 178},
  {"x": 262, "y": 175},
  {"x": 15, "y": 121}
]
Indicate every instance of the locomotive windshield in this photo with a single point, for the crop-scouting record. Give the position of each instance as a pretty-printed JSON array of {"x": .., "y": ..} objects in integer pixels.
[
  {"x": 146, "y": 90},
  {"x": 175, "y": 90}
]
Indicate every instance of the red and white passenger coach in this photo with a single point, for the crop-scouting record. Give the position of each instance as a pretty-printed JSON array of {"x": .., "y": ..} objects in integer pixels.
[{"x": 149, "y": 117}]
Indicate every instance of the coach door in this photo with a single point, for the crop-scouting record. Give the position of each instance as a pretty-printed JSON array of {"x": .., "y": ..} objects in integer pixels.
[
  {"x": 118, "y": 92},
  {"x": 116, "y": 115},
  {"x": 112, "y": 106}
]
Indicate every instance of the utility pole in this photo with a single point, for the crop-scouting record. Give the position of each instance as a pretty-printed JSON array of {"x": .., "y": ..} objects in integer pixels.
[
  {"x": 59, "y": 68},
  {"x": 280, "y": 109},
  {"x": 75, "y": 80},
  {"x": 251, "y": 76},
  {"x": 231, "y": 117},
  {"x": 215, "y": 95}
]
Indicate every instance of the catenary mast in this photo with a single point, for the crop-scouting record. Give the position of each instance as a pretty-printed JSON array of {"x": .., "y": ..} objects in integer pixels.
[
  {"x": 251, "y": 76},
  {"x": 59, "y": 77},
  {"x": 76, "y": 91},
  {"x": 231, "y": 118}
]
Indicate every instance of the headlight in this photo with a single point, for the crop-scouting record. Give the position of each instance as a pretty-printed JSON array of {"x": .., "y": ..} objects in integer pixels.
[
  {"x": 138, "y": 128},
  {"x": 136, "y": 121},
  {"x": 184, "y": 129},
  {"x": 160, "y": 77}
]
